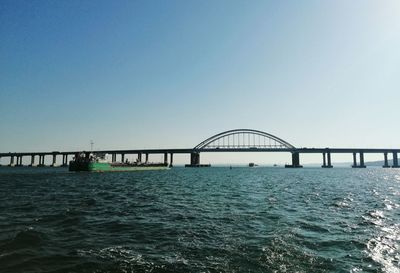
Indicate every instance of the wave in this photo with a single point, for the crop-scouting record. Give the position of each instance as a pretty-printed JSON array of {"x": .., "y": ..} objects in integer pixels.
[{"x": 28, "y": 238}]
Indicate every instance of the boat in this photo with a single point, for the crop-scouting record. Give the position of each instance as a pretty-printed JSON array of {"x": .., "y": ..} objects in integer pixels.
[
  {"x": 97, "y": 163},
  {"x": 252, "y": 164}
]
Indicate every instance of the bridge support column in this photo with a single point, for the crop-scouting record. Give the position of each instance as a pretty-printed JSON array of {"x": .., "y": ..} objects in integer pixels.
[
  {"x": 53, "y": 163},
  {"x": 19, "y": 161},
  {"x": 65, "y": 160},
  {"x": 362, "y": 164},
  {"x": 195, "y": 161},
  {"x": 139, "y": 158},
  {"x": 327, "y": 157},
  {"x": 122, "y": 158},
  {"x": 165, "y": 159},
  {"x": 329, "y": 160},
  {"x": 295, "y": 161},
  {"x": 147, "y": 158},
  {"x": 171, "y": 161},
  {"x": 11, "y": 161},
  {"x": 41, "y": 161},
  {"x": 395, "y": 160},
  {"x": 354, "y": 161},
  {"x": 32, "y": 161},
  {"x": 113, "y": 158},
  {"x": 386, "y": 162}
]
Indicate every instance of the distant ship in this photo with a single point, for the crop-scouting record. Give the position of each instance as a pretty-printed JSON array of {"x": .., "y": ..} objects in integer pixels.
[
  {"x": 252, "y": 164},
  {"x": 97, "y": 163}
]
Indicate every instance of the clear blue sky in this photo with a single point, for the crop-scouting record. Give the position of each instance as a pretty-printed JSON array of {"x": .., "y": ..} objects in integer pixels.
[{"x": 153, "y": 74}]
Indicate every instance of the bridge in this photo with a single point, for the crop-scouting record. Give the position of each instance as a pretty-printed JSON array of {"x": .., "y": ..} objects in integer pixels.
[{"x": 238, "y": 140}]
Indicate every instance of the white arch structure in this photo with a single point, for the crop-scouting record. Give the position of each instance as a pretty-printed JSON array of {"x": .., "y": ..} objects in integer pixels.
[{"x": 243, "y": 139}]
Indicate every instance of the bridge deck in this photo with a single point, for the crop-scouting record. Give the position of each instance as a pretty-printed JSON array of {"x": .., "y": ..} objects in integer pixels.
[{"x": 215, "y": 150}]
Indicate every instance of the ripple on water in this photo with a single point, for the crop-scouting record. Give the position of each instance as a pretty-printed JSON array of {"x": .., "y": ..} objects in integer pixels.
[
  {"x": 384, "y": 248},
  {"x": 124, "y": 259},
  {"x": 282, "y": 255}
]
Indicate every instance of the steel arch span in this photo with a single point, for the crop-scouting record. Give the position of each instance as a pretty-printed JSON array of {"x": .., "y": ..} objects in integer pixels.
[{"x": 243, "y": 139}]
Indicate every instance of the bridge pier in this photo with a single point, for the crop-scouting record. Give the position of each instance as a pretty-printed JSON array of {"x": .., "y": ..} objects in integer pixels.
[
  {"x": 328, "y": 157},
  {"x": 32, "y": 161},
  {"x": 54, "y": 161},
  {"x": 122, "y": 158},
  {"x": 329, "y": 161},
  {"x": 41, "y": 161},
  {"x": 65, "y": 160},
  {"x": 19, "y": 161},
  {"x": 195, "y": 161},
  {"x": 386, "y": 162},
  {"x": 113, "y": 158},
  {"x": 194, "y": 158},
  {"x": 139, "y": 157},
  {"x": 295, "y": 161},
  {"x": 171, "y": 161},
  {"x": 147, "y": 157},
  {"x": 11, "y": 161},
  {"x": 362, "y": 164},
  {"x": 165, "y": 158},
  {"x": 395, "y": 160}
]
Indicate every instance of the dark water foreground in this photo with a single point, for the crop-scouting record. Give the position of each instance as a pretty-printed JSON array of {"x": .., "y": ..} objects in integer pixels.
[{"x": 200, "y": 220}]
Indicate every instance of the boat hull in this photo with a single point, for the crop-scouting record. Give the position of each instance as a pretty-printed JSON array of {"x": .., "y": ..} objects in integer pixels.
[{"x": 107, "y": 167}]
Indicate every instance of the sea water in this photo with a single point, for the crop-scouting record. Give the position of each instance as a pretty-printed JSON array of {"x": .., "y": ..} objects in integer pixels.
[{"x": 200, "y": 220}]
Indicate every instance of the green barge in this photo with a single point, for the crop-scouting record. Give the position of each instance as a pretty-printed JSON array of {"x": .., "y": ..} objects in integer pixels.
[{"x": 96, "y": 163}]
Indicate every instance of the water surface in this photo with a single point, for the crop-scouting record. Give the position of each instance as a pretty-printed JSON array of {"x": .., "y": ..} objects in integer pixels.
[{"x": 200, "y": 220}]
